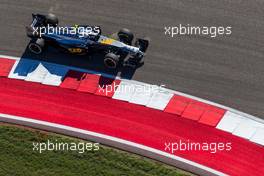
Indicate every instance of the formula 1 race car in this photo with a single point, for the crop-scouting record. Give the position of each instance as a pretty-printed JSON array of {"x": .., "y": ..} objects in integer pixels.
[{"x": 85, "y": 39}]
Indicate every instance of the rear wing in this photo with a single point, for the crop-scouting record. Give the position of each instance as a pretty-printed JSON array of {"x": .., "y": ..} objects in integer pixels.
[{"x": 38, "y": 20}]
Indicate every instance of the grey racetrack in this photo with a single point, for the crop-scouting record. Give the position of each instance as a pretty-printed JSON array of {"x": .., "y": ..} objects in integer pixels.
[{"x": 227, "y": 70}]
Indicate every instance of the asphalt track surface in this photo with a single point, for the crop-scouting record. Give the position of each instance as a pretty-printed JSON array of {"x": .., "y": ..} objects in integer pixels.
[{"x": 227, "y": 70}]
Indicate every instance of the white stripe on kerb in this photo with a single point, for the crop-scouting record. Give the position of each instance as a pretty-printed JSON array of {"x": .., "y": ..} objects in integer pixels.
[
  {"x": 160, "y": 99},
  {"x": 258, "y": 137},
  {"x": 229, "y": 122},
  {"x": 124, "y": 91},
  {"x": 247, "y": 128}
]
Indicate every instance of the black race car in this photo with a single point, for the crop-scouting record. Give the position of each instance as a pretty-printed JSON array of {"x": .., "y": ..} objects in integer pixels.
[{"x": 85, "y": 39}]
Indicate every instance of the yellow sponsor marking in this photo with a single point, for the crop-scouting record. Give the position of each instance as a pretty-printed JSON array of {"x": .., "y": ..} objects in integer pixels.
[
  {"x": 107, "y": 41},
  {"x": 75, "y": 50},
  {"x": 76, "y": 26}
]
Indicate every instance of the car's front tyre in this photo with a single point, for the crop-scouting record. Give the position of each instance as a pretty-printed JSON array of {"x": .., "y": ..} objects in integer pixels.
[
  {"x": 111, "y": 60},
  {"x": 51, "y": 19},
  {"x": 125, "y": 36}
]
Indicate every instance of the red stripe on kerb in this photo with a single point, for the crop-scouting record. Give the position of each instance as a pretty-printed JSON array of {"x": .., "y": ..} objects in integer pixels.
[
  {"x": 131, "y": 122},
  {"x": 5, "y": 66}
]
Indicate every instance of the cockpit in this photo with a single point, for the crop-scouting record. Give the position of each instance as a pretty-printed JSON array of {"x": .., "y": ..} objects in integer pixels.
[{"x": 91, "y": 32}]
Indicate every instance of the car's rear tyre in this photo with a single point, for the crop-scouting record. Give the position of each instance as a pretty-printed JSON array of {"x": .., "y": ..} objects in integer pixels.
[
  {"x": 126, "y": 36},
  {"x": 111, "y": 60},
  {"x": 37, "y": 46},
  {"x": 51, "y": 19}
]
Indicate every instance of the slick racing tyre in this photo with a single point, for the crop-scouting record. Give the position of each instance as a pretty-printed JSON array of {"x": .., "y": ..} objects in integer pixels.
[
  {"x": 111, "y": 60},
  {"x": 125, "y": 36},
  {"x": 51, "y": 19},
  {"x": 37, "y": 46}
]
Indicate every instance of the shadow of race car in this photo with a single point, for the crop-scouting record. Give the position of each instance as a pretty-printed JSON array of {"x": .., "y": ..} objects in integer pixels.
[{"x": 84, "y": 39}]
